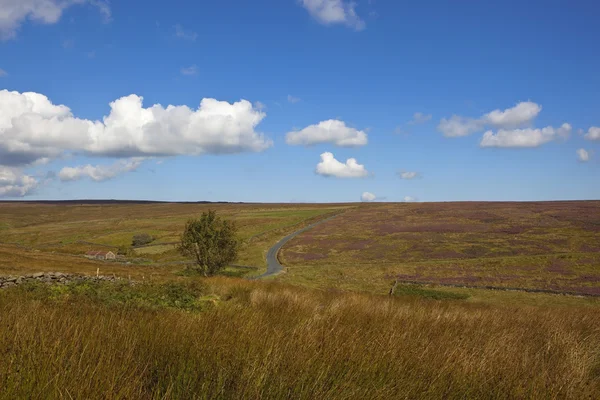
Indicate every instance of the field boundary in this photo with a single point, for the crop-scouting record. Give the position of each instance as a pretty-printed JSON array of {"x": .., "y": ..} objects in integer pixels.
[{"x": 487, "y": 287}]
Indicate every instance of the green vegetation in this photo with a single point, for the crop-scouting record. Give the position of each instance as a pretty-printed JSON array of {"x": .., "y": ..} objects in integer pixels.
[
  {"x": 228, "y": 338},
  {"x": 141, "y": 239},
  {"x": 210, "y": 242},
  {"x": 182, "y": 295},
  {"x": 419, "y": 291},
  {"x": 326, "y": 328}
]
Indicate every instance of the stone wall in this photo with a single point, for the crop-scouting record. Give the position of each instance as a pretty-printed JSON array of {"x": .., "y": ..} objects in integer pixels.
[{"x": 51, "y": 278}]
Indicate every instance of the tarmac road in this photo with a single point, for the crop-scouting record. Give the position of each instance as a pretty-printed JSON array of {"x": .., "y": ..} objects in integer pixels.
[{"x": 273, "y": 265}]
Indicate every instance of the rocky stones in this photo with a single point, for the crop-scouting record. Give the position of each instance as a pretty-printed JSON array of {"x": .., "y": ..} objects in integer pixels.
[{"x": 51, "y": 278}]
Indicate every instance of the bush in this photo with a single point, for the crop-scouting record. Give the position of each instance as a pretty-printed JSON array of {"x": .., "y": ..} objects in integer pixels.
[{"x": 141, "y": 239}]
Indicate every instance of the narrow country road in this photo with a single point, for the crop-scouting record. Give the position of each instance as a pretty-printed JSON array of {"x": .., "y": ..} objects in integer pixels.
[{"x": 273, "y": 265}]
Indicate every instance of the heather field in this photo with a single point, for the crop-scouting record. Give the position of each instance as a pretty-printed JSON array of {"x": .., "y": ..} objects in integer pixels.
[
  {"x": 549, "y": 246},
  {"x": 327, "y": 327}
]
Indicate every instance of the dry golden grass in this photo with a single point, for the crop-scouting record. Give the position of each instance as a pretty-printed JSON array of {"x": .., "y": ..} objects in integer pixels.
[{"x": 263, "y": 340}]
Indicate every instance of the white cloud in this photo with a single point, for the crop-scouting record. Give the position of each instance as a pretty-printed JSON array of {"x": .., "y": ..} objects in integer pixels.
[
  {"x": 459, "y": 126},
  {"x": 528, "y": 137},
  {"x": 14, "y": 12},
  {"x": 191, "y": 70},
  {"x": 14, "y": 184},
  {"x": 329, "y": 12},
  {"x": 292, "y": 99},
  {"x": 583, "y": 155},
  {"x": 408, "y": 174},
  {"x": 420, "y": 118},
  {"x": 593, "y": 133},
  {"x": 409, "y": 199},
  {"x": 99, "y": 173},
  {"x": 3, "y": 73},
  {"x": 329, "y": 166},
  {"x": 366, "y": 197},
  {"x": 330, "y": 131},
  {"x": 520, "y": 115},
  {"x": 186, "y": 35},
  {"x": 31, "y": 128}
]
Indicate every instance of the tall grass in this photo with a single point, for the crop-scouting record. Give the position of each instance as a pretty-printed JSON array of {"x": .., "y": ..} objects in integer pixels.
[{"x": 273, "y": 341}]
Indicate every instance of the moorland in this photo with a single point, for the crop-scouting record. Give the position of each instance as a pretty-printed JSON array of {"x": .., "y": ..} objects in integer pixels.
[{"x": 325, "y": 328}]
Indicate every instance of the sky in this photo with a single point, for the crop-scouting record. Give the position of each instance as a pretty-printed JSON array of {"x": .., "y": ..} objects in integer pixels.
[{"x": 299, "y": 100}]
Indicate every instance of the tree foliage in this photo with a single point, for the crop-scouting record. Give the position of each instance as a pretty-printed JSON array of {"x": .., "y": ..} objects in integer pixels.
[
  {"x": 211, "y": 241},
  {"x": 141, "y": 239}
]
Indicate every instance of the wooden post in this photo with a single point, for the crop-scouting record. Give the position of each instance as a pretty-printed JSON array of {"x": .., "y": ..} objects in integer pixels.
[
  {"x": 97, "y": 272},
  {"x": 393, "y": 288}
]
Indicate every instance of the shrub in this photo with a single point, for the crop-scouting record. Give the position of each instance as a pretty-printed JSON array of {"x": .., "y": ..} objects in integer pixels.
[{"x": 141, "y": 239}]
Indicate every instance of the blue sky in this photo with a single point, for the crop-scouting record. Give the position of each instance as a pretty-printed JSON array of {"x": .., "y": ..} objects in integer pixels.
[{"x": 471, "y": 101}]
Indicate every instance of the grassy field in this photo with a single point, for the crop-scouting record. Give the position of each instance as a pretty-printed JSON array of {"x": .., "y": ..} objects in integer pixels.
[
  {"x": 554, "y": 246},
  {"x": 229, "y": 338},
  {"x": 325, "y": 329},
  {"x": 35, "y": 236}
]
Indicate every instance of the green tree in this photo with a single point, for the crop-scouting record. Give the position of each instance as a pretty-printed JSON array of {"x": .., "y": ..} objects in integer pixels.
[
  {"x": 141, "y": 239},
  {"x": 211, "y": 241}
]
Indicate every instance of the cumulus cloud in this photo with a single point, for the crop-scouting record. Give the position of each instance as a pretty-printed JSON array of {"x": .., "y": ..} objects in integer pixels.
[
  {"x": 367, "y": 196},
  {"x": 329, "y": 166},
  {"x": 420, "y": 118},
  {"x": 292, "y": 99},
  {"x": 14, "y": 12},
  {"x": 521, "y": 114},
  {"x": 181, "y": 33},
  {"x": 409, "y": 199},
  {"x": 329, "y": 12},
  {"x": 583, "y": 155},
  {"x": 528, "y": 137},
  {"x": 593, "y": 133},
  {"x": 15, "y": 184},
  {"x": 331, "y": 131},
  {"x": 191, "y": 70},
  {"x": 99, "y": 173},
  {"x": 459, "y": 126},
  {"x": 33, "y": 128},
  {"x": 408, "y": 175}
]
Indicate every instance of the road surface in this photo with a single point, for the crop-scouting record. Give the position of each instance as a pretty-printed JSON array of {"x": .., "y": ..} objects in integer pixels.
[{"x": 273, "y": 265}]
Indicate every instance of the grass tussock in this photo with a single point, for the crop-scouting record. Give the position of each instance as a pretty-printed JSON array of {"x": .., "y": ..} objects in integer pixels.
[{"x": 261, "y": 340}]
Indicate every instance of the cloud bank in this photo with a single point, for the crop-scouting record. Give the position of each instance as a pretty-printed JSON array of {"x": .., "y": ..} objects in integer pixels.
[
  {"x": 33, "y": 128},
  {"x": 13, "y": 13},
  {"x": 99, "y": 173},
  {"x": 513, "y": 124},
  {"x": 15, "y": 184}
]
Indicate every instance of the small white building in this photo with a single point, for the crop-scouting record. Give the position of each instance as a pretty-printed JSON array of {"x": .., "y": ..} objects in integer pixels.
[{"x": 101, "y": 255}]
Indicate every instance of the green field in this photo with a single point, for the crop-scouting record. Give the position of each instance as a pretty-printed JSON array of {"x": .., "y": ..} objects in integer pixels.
[{"x": 327, "y": 327}]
